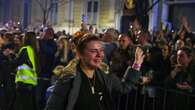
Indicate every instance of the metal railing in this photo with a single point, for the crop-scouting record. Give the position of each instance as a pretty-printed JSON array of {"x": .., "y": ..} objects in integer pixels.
[{"x": 158, "y": 99}]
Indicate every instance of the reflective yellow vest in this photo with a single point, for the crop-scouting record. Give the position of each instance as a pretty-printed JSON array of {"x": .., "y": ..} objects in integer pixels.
[{"x": 26, "y": 74}]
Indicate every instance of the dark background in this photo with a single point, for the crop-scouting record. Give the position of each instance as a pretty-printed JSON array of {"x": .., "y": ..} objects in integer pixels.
[{"x": 177, "y": 10}]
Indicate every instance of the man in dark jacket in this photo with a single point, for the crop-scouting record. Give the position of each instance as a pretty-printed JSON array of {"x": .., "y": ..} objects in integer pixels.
[
  {"x": 6, "y": 79},
  {"x": 85, "y": 86},
  {"x": 122, "y": 56},
  {"x": 48, "y": 49}
]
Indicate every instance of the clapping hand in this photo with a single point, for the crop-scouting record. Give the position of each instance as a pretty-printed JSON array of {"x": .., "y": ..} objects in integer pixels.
[
  {"x": 139, "y": 56},
  {"x": 184, "y": 21},
  {"x": 145, "y": 80},
  {"x": 183, "y": 86}
]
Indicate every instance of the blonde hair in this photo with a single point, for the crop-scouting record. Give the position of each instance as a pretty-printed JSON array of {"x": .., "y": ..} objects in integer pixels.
[{"x": 65, "y": 46}]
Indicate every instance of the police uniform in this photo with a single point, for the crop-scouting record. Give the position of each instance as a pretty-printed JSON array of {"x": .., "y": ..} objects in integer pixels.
[{"x": 26, "y": 80}]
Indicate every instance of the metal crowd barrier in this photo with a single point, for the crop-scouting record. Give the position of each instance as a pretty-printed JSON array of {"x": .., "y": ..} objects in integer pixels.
[{"x": 160, "y": 99}]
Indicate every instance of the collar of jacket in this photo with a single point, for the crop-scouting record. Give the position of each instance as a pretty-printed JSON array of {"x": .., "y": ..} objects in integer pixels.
[
  {"x": 70, "y": 69},
  {"x": 74, "y": 91}
]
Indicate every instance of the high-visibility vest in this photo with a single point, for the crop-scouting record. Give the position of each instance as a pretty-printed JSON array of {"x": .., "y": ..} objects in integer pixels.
[{"x": 26, "y": 74}]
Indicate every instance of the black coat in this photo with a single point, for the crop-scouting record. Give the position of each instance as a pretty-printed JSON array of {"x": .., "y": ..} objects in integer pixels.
[
  {"x": 67, "y": 88},
  {"x": 7, "y": 83}
]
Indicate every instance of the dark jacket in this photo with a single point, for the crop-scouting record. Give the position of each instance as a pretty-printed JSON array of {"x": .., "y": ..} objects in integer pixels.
[
  {"x": 120, "y": 60},
  {"x": 7, "y": 83},
  {"x": 48, "y": 49},
  {"x": 67, "y": 88},
  {"x": 185, "y": 75}
]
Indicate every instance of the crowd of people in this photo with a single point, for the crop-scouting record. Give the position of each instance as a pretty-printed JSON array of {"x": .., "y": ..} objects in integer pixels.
[{"x": 44, "y": 69}]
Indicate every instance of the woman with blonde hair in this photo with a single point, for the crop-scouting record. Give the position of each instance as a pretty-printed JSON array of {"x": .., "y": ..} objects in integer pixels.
[{"x": 61, "y": 55}]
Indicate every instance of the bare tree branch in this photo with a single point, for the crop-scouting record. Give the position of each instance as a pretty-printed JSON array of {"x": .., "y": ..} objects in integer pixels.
[
  {"x": 46, "y": 6},
  {"x": 41, "y": 4},
  {"x": 63, "y": 2}
]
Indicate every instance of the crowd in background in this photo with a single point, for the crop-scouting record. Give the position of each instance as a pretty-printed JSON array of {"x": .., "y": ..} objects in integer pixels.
[{"x": 169, "y": 61}]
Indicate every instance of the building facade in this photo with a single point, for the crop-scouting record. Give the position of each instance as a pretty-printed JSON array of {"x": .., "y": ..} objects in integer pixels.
[
  {"x": 62, "y": 14},
  {"x": 99, "y": 13},
  {"x": 68, "y": 14}
]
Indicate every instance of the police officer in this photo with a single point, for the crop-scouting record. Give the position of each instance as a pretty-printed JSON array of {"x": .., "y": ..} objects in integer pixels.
[{"x": 26, "y": 76}]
